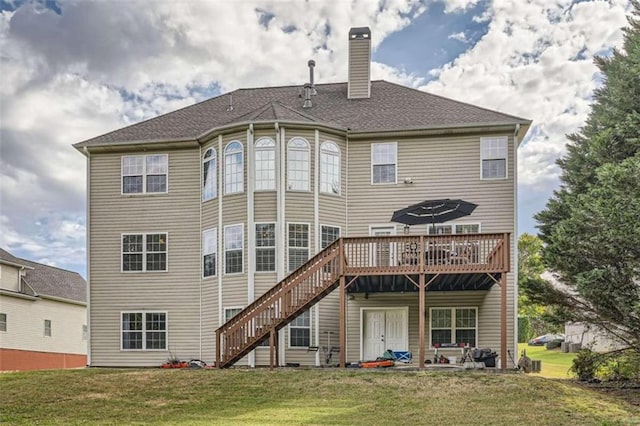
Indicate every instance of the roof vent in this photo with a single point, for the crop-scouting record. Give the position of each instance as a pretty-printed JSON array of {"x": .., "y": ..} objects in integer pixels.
[
  {"x": 307, "y": 96},
  {"x": 312, "y": 64},
  {"x": 230, "y": 107},
  {"x": 359, "y": 85}
]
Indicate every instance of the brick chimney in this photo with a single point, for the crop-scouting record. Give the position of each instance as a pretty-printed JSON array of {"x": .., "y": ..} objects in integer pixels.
[{"x": 359, "y": 85}]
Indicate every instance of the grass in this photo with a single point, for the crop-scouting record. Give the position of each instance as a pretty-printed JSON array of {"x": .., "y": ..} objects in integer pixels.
[
  {"x": 555, "y": 364},
  {"x": 297, "y": 396}
]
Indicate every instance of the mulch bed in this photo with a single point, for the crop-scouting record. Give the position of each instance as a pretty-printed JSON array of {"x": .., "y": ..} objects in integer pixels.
[{"x": 627, "y": 390}]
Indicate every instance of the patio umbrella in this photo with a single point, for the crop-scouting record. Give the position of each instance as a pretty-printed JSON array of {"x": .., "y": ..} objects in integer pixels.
[{"x": 433, "y": 211}]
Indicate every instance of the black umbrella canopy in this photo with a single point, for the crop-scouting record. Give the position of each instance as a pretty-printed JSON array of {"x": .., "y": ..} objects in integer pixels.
[{"x": 433, "y": 211}]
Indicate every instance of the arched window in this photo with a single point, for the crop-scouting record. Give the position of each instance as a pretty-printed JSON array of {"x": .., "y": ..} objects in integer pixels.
[
  {"x": 298, "y": 165},
  {"x": 329, "y": 168},
  {"x": 233, "y": 168},
  {"x": 209, "y": 175},
  {"x": 265, "y": 164}
]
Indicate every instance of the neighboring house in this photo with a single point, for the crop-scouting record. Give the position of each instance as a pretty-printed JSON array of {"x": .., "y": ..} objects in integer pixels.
[
  {"x": 43, "y": 316},
  {"x": 591, "y": 336},
  {"x": 195, "y": 216}
]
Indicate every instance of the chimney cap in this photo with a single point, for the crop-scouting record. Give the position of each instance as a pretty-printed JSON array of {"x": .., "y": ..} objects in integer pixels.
[
  {"x": 359, "y": 32},
  {"x": 311, "y": 63}
]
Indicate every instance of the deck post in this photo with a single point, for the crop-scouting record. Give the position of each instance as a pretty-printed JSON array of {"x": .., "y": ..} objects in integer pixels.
[
  {"x": 503, "y": 320},
  {"x": 343, "y": 321},
  {"x": 218, "y": 350},
  {"x": 273, "y": 348},
  {"x": 421, "y": 321}
]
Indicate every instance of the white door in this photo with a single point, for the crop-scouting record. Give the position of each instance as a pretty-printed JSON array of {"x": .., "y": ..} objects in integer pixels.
[
  {"x": 382, "y": 254},
  {"x": 384, "y": 329}
]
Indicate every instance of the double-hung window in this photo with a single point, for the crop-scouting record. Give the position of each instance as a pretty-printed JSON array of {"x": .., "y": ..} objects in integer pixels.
[
  {"x": 47, "y": 328},
  {"x": 298, "y": 165},
  {"x": 233, "y": 246},
  {"x": 493, "y": 153},
  {"x": 144, "y": 174},
  {"x": 3, "y": 322},
  {"x": 265, "y": 158},
  {"x": 329, "y": 168},
  {"x": 231, "y": 312},
  {"x": 209, "y": 252},
  {"x": 454, "y": 325},
  {"x": 265, "y": 247},
  {"x": 328, "y": 234},
  {"x": 448, "y": 229},
  {"x": 144, "y": 252},
  {"x": 144, "y": 331},
  {"x": 384, "y": 157},
  {"x": 233, "y": 168},
  {"x": 209, "y": 173},
  {"x": 300, "y": 331},
  {"x": 298, "y": 237}
]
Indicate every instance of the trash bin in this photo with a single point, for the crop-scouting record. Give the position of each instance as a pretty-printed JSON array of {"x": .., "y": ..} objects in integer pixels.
[{"x": 485, "y": 355}]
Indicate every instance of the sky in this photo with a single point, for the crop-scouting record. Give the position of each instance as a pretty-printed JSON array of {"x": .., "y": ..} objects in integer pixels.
[{"x": 74, "y": 69}]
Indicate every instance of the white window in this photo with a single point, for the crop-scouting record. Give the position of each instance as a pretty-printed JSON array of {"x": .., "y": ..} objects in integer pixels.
[
  {"x": 3, "y": 322},
  {"x": 47, "y": 328},
  {"x": 144, "y": 331},
  {"x": 233, "y": 245},
  {"x": 298, "y": 165},
  {"x": 233, "y": 168},
  {"x": 458, "y": 228},
  {"x": 298, "y": 236},
  {"x": 144, "y": 174},
  {"x": 300, "y": 331},
  {"x": 329, "y": 168},
  {"x": 265, "y": 157},
  {"x": 328, "y": 234},
  {"x": 209, "y": 173},
  {"x": 144, "y": 252},
  {"x": 383, "y": 162},
  {"x": 493, "y": 153},
  {"x": 209, "y": 252},
  {"x": 85, "y": 332},
  {"x": 265, "y": 247},
  {"x": 454, "y": 325},
  {"x": 231, "y": 312}
]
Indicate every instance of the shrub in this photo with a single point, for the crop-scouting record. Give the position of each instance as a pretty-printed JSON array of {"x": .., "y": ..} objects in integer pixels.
[
  {"x": 524, "y": 329},
  {"x": 586, "y": 364}
]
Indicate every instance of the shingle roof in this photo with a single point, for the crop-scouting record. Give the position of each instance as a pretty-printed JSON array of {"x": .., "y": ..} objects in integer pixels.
[
  {"x": 50, "y": 281},
  {"x": 391, "y": 107}
]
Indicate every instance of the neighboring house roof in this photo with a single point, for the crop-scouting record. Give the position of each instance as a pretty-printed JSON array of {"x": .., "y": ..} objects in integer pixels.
[
  {"x": 391, "y": 107},
  {"x": 48, "y": 280}
]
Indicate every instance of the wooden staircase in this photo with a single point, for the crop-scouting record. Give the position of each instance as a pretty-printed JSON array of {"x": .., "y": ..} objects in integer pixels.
[{"x": 279, "y": 306}]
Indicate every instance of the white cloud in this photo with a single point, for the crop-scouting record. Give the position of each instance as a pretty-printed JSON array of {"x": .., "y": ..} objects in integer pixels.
[{"x": 458, "y": 36}]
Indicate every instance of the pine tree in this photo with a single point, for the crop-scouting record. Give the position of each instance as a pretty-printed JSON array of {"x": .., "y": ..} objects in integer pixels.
[{"x": 591, "y": 225}]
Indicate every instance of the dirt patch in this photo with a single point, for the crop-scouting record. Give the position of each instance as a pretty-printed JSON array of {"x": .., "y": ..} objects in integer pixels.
[{"x": 628, "y": 391}]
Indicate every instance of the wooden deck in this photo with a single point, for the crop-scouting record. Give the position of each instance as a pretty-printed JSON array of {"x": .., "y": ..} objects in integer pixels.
[{"x": 421, "y": 259}]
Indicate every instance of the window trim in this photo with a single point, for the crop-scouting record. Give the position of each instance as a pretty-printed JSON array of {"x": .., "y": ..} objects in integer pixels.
[
  {"x": 144, "y": 176},
  {"x": 214, "y": 158},
  {"x": 144, "y": 253},
  {"x": 453, "y": 227},
  {"x": 506, "y": 157},
  {"x": 4, "y": 323},
  {"x": 204, "y": 253},
  {"x": 224, "y": 247},
  {"x": 48, "y": 328},
  {"x": 308, "y": 171},
  {"x": 322, "y": 225},
  {"x": 255, "y": 164},
  {"x": 144, "y": 331},
  {"x": 395, "y": 181},
  {"x": 225, "y": 176},
  {"x": 324, "y": 152},
  {"x": 309, "y": 327},
  {"x": 308, "y": 244},
  {"x": 256, "y": 247},
  {"x": 452, "y": 309},
  {"x": 226, "y": 308}
]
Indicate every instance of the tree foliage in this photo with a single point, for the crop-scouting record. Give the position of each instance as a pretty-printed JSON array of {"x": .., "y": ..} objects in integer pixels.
[{"x": 591, "y": 225}]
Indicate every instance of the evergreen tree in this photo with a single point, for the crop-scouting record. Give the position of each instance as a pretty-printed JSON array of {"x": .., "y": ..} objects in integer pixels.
[{"x": 591, "y": 225}]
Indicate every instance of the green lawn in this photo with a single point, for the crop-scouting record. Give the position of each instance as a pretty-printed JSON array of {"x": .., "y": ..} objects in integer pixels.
[
  {"x": 297, "y": 396},
  {"x": 555, "y": 364}
]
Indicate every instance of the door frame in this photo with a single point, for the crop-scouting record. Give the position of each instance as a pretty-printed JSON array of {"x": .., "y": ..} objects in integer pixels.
[
  {"x": 383, "y": 308},
  {"x": 392, "y": 246}
]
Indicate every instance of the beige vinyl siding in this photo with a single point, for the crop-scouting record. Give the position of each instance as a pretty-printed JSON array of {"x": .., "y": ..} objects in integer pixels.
[
  {"x": 176, "y": 291},
  {"x": 265, "y": 207},
  {"x": 359, "y": 68},
  {"x": 9, "y": 278},
  {"x": 25, "y": 325}
]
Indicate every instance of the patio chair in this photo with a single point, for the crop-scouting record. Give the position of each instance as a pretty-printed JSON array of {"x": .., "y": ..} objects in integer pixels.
[{"x": 403, "y": 356}]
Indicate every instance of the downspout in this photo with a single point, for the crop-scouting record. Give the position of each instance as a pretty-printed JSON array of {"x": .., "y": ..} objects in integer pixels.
[
  {"x": 200, "y": 165},
  {"x": 516, "y": 145},
  {"x": 316, "y": 226},
  {"x": 251, "y": 228},
  {"x": 280, "y": 204},
  {"x": 88, "y": 261}
]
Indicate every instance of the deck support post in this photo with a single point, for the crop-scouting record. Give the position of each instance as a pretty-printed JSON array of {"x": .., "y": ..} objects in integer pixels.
[
  {"x": 343, "y": 322},
  {"x": 421, "y": 321},
  {"x": 273, "y": 348},
  {"x": 218, "y": 350},
  {"x": 503, "y": 320}
]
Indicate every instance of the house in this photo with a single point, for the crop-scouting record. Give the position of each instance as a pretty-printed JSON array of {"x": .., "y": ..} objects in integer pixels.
[
  {"x": 43, "y": 316},
  {"x": 254, "y": 228}
]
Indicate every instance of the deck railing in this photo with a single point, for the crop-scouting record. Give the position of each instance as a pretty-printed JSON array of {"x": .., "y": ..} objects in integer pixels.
[{"x": 352, "y": 256}]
